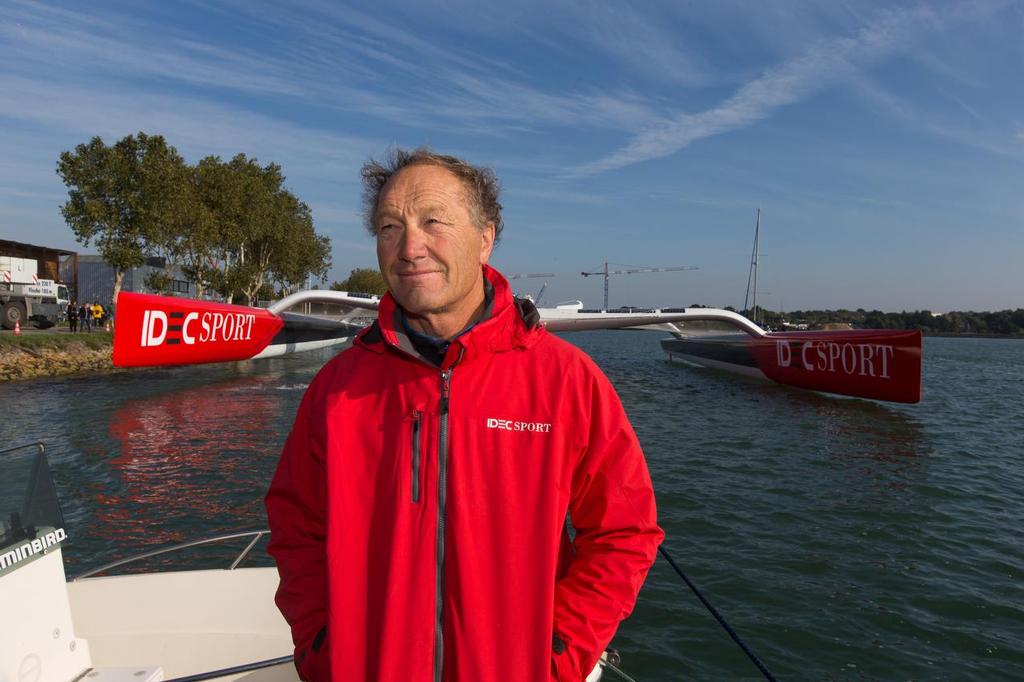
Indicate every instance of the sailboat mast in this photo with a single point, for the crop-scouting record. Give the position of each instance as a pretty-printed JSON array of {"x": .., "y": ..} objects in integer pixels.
[
  {"x": 752, "y": 271},
  {"x": 757, "y": 239}
]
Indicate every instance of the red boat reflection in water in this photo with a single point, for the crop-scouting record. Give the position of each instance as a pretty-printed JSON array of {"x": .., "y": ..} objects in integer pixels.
[{"x": 192, "y": 463}]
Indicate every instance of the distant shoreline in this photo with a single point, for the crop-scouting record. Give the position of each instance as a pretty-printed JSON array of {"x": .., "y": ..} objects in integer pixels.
[
  {"x": 967, "y": 335},
  {"x": 39, "y": 355}
]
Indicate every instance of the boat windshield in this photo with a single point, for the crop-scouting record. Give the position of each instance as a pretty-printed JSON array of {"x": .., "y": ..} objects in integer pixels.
[{"x": 30, "y": 518}]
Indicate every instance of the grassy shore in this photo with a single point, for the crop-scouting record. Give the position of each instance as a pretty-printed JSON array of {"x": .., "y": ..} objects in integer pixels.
[{"x": 49, "y": 354}]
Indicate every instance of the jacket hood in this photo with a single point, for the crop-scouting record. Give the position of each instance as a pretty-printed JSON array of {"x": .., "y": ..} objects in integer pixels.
[{"x": 508, "y": 323}]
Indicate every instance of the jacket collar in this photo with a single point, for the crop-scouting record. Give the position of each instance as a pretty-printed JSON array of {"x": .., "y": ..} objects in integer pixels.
[{"x": 512, "y": 323}]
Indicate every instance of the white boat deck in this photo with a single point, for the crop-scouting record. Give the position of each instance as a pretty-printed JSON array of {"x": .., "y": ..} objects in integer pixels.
[{"x": 185, "y": 622}]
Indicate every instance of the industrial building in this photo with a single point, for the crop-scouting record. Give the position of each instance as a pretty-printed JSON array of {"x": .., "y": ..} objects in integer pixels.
[
  {"x": 52, "y": 263},
  {"x": 95, "y": 281},
  {"x": 90, "y": 278}
]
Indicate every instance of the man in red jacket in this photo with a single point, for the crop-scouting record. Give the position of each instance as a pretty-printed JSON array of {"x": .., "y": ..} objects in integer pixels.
[{"x": 418, "y": 513}]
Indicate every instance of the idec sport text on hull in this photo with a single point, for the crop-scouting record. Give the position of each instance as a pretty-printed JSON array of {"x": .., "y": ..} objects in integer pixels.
[
  {"x": 191, "y": 328},
  {"x": 864, "y": 359}
]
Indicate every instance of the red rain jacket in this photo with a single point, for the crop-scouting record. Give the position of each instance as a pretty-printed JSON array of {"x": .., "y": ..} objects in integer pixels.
[{"x": 419, "y": 512}]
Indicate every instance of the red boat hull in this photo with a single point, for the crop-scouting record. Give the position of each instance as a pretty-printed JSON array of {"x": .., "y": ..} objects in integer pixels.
[{"x": 870, "y": 363}]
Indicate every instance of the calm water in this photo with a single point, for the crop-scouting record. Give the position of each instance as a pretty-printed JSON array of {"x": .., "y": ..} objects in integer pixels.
[{"x": 843, "y": 539}]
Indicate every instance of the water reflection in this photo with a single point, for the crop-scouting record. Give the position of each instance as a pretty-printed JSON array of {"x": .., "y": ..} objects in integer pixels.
[
  {"x": 870, "y": 454},
  {"x": 863, "y": 429},
  {"x": 195, "y": 458}
]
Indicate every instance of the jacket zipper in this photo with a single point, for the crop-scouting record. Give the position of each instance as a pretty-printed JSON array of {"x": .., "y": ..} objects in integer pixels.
[
  {"x": 442, "y": 501},
  {"x": 416, "y": 456}
]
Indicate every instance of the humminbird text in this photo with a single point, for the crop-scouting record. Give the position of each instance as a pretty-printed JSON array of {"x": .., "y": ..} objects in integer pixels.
[
  {"x": 31, "y": 548},
  {"x": 864, "y": 359},
  {"x": 196, "y": 328}
]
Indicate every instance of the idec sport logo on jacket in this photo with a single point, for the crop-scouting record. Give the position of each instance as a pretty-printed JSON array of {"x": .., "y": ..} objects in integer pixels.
[{"x": 510, "y": 425}]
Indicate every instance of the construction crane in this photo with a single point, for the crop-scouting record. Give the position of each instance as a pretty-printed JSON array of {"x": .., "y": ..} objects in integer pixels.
[
  {"x": 606, "y": 272},
  {"x": 531, "y": 275}
]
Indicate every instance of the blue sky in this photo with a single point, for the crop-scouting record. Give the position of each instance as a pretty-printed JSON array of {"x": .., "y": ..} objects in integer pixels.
[{"x": 884, "y": 142}]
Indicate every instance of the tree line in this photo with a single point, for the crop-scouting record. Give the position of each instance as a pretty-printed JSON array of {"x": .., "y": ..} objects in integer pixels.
[
  {"x": 363, "y": 281},
  {"x": 957, "y": 322},
  {"x": 230, "y": 226}
]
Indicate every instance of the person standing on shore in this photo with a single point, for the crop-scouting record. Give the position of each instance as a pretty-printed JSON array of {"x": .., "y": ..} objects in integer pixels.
[
  {"x": 85, "y": 315},
  {"x": 73, "y": 316},
  {"x": 419, "y": 511},
  {"x": 97, "y": 315}
]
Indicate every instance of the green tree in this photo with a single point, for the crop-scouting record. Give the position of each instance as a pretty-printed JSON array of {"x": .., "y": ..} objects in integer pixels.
[
  {"x": 222, "y": 195},
  {"x": 185, "y": 233},
  {"x": 230, "y": 226},
  {"x": 159, "y": 281},
  {"x": 188, "y": 235},
  {"x": 262, "y": 232},
  {"x": 304, "y": 254},
  {"x": 363, "y": 281},
  {"x": 117, "y": 196}
]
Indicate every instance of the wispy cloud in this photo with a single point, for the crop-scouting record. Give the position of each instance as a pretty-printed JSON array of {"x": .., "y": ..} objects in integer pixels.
[
  {"x": 445, "y": 88},
  {"x": 335, "y": 58},
  {"x": 488, "y": 99},
  {"x": 978, "y": 132},
  {"x": 75, "y": 44},
  {"x": 644, "y": 42},
  {"x": 637, "y": 41},
  {"x": 819, "y": 66},
  {"x": 195, "y": 125}
]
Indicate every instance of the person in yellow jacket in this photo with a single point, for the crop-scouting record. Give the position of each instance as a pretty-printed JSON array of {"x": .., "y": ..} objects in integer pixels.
[{"x": 97, "y": 314}]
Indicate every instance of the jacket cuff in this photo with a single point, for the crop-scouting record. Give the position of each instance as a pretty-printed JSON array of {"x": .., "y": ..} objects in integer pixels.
[
  {"x": 562, "y": 668},
  {"x": 313, "y": 663}
]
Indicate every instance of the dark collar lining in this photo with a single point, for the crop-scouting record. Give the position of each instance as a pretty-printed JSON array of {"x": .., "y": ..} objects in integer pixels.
[{"x": 431, "y": 348}]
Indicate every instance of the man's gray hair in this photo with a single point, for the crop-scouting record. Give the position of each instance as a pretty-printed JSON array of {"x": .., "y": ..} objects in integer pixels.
[{"x": 481, "y": 184}]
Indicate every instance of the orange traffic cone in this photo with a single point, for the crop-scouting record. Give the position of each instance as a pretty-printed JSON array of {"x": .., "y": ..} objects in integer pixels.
[{"x": 17, "y": 327}]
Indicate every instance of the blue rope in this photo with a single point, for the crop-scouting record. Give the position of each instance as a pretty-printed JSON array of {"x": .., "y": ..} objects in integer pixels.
[{"x": 721, "y": 621}]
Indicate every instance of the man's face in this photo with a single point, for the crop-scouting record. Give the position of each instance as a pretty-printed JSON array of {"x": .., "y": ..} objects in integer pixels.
[{"x": 429, "y": 249}]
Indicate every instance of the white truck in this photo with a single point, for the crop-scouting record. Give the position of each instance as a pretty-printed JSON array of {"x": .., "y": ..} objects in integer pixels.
[{"x": 23, "y": 296}]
